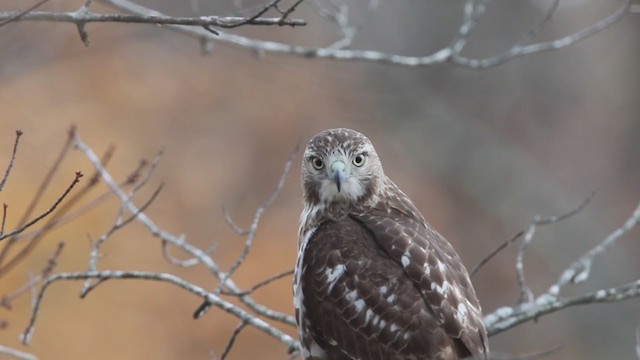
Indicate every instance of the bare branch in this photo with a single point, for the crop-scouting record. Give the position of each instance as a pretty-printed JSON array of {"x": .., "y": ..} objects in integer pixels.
[
  {"x": 20, "y": 14},
  {"x": 471, "y": 13},
  {"x": 13, "y": 159},
  {"x": 507, "y": 317},
  {"x": 82, "y": 17},
  {"x": 32, "y": 205},
  {"x": 579, "y": 271},
  {"x": 161, "y": 277},
  {"x": 522, "y": 50},
  {"x": 179, "y": 241},
  {"x": 525, "y": 293},
  {"x": 539, "y": 222}
]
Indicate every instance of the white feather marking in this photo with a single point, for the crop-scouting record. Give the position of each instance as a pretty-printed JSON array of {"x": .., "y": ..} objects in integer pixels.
[
  {"x": 441, "y": 289},
  {"x": 427, "y": 269},
  {"x": 405, "y": 260},
  {"x": 394, "y": 328},
  {"x": 461, "y": 314},
  {"x": 317, "y": 351},
  {"x": 391, "y": 298},
  {"x": 359, "y": 304},
  {"x": 333, "y": 275},
  {"x": 367, "y": 316},
  {"x": 442, "y": 267}
]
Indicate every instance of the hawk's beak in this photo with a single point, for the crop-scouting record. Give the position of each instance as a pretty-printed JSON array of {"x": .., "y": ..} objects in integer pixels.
[{"x": 338, "y": 172}]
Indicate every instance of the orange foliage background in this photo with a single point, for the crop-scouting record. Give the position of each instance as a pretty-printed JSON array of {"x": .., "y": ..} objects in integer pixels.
[{"x": 480, "y": 152}]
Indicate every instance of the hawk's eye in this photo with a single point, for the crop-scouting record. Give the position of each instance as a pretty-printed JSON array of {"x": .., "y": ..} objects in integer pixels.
[
  {"x": 317, "y": 163},
  {"x": 358, "y": 160}
]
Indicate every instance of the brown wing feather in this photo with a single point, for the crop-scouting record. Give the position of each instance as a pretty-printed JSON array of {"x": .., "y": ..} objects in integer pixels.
[
  {"x": 434, "y": 267},
  {"x": 361, "y": 302}
]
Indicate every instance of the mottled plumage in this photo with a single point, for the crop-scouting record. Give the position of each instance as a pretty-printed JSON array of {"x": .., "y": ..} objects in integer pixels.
[{"x": 373, "y": 279}]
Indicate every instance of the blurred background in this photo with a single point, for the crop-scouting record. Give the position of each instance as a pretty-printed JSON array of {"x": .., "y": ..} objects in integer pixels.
[{"x": 480, "y": 152}]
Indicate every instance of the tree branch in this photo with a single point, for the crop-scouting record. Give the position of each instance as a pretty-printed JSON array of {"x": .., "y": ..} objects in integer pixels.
[
  {"x": 101, "y": 276},
  {"x": 180, "y": 242},
  {"x": 473, "y": 9},
  {"x": 16, "y": 353},
  {"x": 85, "y": 17},
  {"x": 507, "y": 317}
]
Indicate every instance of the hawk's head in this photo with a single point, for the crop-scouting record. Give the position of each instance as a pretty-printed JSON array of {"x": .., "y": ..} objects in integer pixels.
[{"x": 340, "y": 166}]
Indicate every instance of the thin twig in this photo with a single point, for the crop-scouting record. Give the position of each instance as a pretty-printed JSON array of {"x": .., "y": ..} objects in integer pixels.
[
  {"x": 13, "y": 159},
  {"x": 541, "y": 222},
  {"x": 175, "y": 261},
  {"x": 32, "y": 205},
  {"x": 229, "y": 220},
  {"x": 47, "y": 212},
  {"x": 495, "y": 252},
  {"x": 4, "y": 218},
  {"x": 254, "y": 17},
  {"x": 232, "y": 340},
  {"x": 289, "y": 11},
  {"x": 536, "y": 29},
  {"x": 56, "y": 219},
  {"x": 260, "y": 284},
  {"x": 71, "y": 216}
]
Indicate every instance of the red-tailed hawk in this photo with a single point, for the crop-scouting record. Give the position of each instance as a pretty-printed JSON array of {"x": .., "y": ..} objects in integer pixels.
[{"x": 373, "y": 279}]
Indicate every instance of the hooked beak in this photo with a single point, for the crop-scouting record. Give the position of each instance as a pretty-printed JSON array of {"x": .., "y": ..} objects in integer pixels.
[{"x": 338, "y": 173}]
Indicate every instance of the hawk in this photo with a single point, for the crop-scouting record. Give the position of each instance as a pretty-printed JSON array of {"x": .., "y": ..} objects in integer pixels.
[{"x": 373, "y": 280}]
